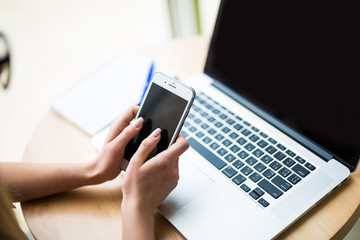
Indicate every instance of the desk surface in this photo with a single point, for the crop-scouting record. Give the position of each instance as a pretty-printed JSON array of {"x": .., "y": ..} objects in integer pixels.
[{"x": 94, "y": 212}]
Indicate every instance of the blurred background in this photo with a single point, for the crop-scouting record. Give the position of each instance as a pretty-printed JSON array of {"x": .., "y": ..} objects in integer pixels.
[{"x": 55, "y": 44}]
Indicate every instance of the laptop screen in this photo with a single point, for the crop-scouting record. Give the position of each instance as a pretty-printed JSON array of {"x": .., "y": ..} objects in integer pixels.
[{"x": 297, "y": 62}]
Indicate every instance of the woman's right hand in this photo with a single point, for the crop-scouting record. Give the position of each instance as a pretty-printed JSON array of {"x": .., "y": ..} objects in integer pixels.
[{"x": 148, "y": 182}]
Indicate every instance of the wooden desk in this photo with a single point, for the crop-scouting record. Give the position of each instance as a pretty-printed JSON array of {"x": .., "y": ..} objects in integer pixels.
[{"x": 94, "y": 212}]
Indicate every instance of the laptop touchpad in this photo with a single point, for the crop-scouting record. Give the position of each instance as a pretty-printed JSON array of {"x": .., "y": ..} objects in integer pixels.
[{"x": 191, "y": 184}]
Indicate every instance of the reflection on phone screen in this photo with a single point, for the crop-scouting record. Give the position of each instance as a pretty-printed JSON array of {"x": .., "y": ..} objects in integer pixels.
[{"x": 161, "y": 109}]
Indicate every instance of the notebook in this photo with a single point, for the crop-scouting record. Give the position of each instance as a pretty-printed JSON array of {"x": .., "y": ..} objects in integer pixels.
[{"x": 275, "y": 125}]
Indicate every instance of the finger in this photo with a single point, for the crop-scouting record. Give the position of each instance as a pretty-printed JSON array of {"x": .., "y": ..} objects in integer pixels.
[
  {"x": 145, "y": 148},
  {"x": 128, "y": 133},
  {"x": 121, "y": 123},
  {"x": 176, "y": 149}
]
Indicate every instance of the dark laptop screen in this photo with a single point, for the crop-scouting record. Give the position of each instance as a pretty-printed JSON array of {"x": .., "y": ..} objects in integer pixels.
[{"x": 297, "y": 61}]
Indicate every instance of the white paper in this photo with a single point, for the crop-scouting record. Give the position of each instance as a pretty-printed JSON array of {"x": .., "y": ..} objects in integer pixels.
[{"x": 96, "y": 101}]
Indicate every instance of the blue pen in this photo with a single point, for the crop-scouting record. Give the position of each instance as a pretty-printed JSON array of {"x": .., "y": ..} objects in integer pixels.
[{"x": 147, "y": 81}]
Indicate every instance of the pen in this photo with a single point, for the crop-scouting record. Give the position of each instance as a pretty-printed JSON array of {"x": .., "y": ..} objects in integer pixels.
[{"x": 147, "y": 81}]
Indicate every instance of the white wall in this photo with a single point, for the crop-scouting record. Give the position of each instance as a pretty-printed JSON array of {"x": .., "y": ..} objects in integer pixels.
[{"x": 55, "y": 44}]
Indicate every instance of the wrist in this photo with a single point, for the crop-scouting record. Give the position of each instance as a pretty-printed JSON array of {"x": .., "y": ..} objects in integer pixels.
[
  {"x": 93, "y": 174},
  {"x": 133, "y": 215}
]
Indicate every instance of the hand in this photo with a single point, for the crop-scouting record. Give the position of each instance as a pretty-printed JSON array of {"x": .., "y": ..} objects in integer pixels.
[
  {"x": 107, "y": 165},
  {"x": 148, "y": 183}
]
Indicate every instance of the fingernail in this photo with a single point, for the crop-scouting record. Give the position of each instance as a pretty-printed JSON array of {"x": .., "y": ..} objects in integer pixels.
[
  {"x": 156, "y": 133},
  {"x": 139, "y": 122}
]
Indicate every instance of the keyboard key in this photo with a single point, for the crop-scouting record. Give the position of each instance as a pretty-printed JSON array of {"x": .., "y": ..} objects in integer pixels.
[
  {"x": 219, "y": 137},
  {"x": 200, "y": 134},
  {"x": 263, "y": 202},
  {"x": 249, "y": 147},
  {"x": 214, "y": 146},
  {"x": 192, "y": 129},
  {"x": 246, "y": 123},
  {"x": 268, "y": 173},
  {"x": 255, "y": 129},
  {"x": 212, "y": 158},
  {"x": 215, "y": 111},
  {"x": 226, "y": 130},
  {"x": 255, "y": 177},
  {"x": 258, "y": 153},
  {"x": 260, "y": 167},
  {"x": 241, "y": 141},
  {"x": 238, "y": 126},
  {"x": 227, "y": 142},
  {"x": 229, "y": 171},
  {"x": 262, "y": 143},
  {"x": 270, "y": 188},
  {"x": 300, "y": 170},
  {"x": 259, "y": 191},
  {"x": 245, "y": 187},
  {"x": 223, "y": 116},
  {"x": 294, "y": 179},
  {"x": 281, "y": 183},
  {"x": 254, "y": 138},
  {"x": 251, "y": 161},
  {"x": 245, "y": 132},
  {"x": 234, "y": 135},
  {"x": 230, "y": 157},
  {"x": 190, "y": 115},
  {"x": 279, "y": 156},
  {"x": 211, "y": 119},
  {"x": 266, "y": 159},
  {"x": 288, "y": 162},
  {"x": 204, "y": 126},
  {"x": 243, "y": 154},
  {"x": 275, "y": 165},
  {"x": 230, "y": 121},
  {"x": 299, "y": 159},
  {"x": 270, "y": 149},
  {"x": 290, "y": 153},
  {"x": 212, "y": 131},
  {"x": 204, "y": 114},
  {"x": 263, "y": 135},
  {"x": 284, "y": 172},
  {"x": 207, "y": 140},
  {"x": 197, "y": 121},
  {"x": 222, "y": 151},
  {"x": 238, "y": 164},
  {"x": 254, "y": 195},
  {"x": 310, "y": 166},
  {"x": 235, "y": 148},
  {"x": 218, "y": 124},
  {"x": 272, "y": 141},
  {"x": 238, "y": 179},
  {"x": 246, "y": 170},
  {"x": 280, "y": 146}
]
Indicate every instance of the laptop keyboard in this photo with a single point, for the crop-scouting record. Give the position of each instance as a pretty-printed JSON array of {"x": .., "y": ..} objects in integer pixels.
[{"x": 253, "y": 161}]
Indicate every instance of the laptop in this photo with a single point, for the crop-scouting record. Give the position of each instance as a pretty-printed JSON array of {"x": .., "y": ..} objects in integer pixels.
[{"x": 275, "y": 125}]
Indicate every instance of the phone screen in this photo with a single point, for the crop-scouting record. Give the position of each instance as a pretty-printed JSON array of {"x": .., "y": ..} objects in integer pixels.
[{"x": 161, "y": 109}]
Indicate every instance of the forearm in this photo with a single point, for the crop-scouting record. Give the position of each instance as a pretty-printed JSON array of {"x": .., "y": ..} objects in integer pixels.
[
  {"x": 136, "y": 225},
  {"x": 26, "y": 181}
]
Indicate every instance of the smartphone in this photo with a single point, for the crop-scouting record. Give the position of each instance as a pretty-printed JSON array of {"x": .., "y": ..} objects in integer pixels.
[{"x": 165, "y": 105}]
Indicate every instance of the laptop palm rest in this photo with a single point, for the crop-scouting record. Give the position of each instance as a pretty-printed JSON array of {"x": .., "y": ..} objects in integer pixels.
[
  {"x": 191, "y": 184},
  {"x": 300, "y": 198}
]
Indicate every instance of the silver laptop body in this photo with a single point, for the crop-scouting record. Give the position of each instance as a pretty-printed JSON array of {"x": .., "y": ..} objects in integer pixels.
[{"x": 248, "y": 173}]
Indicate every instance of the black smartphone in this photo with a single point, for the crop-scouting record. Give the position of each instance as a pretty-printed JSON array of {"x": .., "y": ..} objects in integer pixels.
[{"x": 166, "y": 105}]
